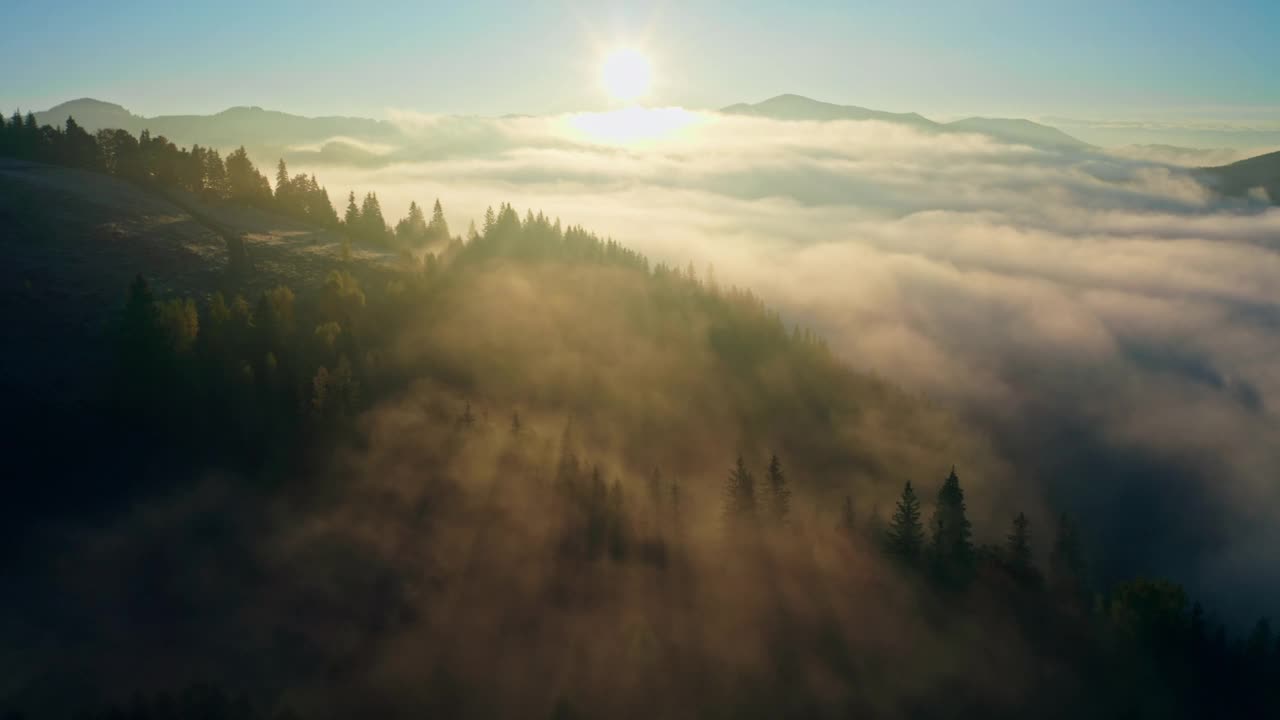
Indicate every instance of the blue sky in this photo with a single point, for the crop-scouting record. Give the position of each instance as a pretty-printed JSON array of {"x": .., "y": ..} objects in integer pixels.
[{"x": 1120, "y": 58}]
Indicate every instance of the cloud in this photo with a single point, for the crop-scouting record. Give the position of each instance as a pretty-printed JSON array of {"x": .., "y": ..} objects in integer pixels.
[{"x": 1107, "y": 319}]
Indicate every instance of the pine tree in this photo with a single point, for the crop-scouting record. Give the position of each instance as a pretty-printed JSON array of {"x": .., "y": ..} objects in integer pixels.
[
  {"x": 373, "y": 225},
  {"x": 437, "y": 229},
  {"x": 244, "y": 182},
  {"x": 352, "y": 217},
  {"x": 1017, "y": 550},
  {"x": 466, "y": 420},
  {"x": 905, "y": 536},
  {"x": 740, "y": 497},
  {"x": 489, "y": 221},
  {"x": 283, "y": 187},
  {"x": 779, "y": 493},
  {"x": 952, "y": 547},
  {"x": 217, "y": 179},
  {"x": 412, "y": 229},
  {"x": 324, "y": 212}
]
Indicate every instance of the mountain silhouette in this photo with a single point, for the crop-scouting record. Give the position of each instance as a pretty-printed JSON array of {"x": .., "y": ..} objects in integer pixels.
[
  {"x": 1242, "y": 177},
  {"x": 1011, "y": 130},
  {"x": 1024, "y": 132},
  {"x": 251, "y": 126},
  {"x": 797, "y": 107}
]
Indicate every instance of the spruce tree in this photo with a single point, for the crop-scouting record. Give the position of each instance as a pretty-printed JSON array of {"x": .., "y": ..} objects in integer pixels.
[
  {"x": 373, "y": 225},
  {"x": 905, "y": 536},
  {"x": 283, "y": 187},
  {"x": 740, "y": 497},
  {"x": 412, "y": 229},
  {"x": 779, "y": 493},
  {"x": 1017, "y": 550},
  {"x": 352, "y": 217},
  {"x": 437, "y": 229},
  {"x": 324, "y": 214},
  {"x": 952, "y": 548}
]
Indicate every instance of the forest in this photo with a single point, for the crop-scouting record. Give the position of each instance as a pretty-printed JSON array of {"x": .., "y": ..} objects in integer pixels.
[{"x": 526, "y": 471}]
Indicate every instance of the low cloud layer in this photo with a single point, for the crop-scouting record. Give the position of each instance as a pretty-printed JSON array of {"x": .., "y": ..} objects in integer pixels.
[{"x": 1109, "y": 321}]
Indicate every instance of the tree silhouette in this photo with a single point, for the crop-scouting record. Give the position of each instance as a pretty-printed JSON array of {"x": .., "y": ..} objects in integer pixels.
[
  {"x": 412, "y": 229},
  {"x": 740, "y": 497},
  {"x": 437, "y": 229},
  {"x": 779, "y": 493},
  {"x": 905, "y": 536},
  {"x": 1017, "y": 550},
  {"x": 951, "y": 550},
  {"x": 352, "y": 217}
]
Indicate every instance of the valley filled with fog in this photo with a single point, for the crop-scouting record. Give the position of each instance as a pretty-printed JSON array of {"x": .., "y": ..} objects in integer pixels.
[{"x": 1105, "y": 316}]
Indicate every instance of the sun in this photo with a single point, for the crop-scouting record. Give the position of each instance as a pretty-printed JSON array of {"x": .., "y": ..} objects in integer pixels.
[{"x": 626, "y": 75}]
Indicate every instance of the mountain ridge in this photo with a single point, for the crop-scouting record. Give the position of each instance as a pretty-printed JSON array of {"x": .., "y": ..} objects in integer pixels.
[{"x": 790, "y": 106}]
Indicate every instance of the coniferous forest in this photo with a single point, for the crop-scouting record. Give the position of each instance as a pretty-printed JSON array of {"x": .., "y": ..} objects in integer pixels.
[{"x": 527, "y": 473}]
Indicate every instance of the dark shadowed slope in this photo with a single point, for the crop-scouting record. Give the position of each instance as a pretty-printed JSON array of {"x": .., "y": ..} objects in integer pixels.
[
  {"x": 1241, "y": 178},
  {"x": 72, "y": 239}
]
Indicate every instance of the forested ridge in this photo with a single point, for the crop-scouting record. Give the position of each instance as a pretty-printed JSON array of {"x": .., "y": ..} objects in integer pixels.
[{"x": 530, "y": 473}]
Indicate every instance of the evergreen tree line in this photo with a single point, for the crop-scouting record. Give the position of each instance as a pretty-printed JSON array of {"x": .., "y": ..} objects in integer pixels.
[
  {"x": 275, "y": 370},
  {"x": 154, "y": 161}
]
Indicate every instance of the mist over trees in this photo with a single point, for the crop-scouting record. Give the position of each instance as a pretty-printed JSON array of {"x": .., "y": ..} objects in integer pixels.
[
  {"x": 156, "y": 162},
  {"x": 533, "y": 473}
]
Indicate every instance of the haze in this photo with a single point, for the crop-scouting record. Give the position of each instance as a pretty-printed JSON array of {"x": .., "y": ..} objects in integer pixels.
[{"x": 641, "y": 360}]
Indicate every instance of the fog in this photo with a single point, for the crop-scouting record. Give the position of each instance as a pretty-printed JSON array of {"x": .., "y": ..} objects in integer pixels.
[{"x": 1107, "y": 320}]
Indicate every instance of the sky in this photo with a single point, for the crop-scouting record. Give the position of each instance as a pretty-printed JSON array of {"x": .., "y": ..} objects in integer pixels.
[{"x": 1087, "y": 58}]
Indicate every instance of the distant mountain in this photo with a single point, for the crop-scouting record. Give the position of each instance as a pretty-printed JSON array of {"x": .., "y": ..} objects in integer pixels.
[
  {"x": 1019, "y": 131},
  {"x": 1179, "y": 155},
  {"x": 1012, "y": 130},
  {"x": 1240, "y": 178},
  {"x": 251, "y": 126},
  {"x": 92, "y": 115},
  {"x": 797, "y": 107}
]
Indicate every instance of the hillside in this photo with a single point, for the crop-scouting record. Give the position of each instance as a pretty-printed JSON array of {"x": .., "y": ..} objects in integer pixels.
[
  {"x": 1020, "y": 131},
  {"x": 463, "y": 391},
  {"x": 528, "y": 473},
  {"x": 76, "y": 238},
  {"x": 1261, "y": 173}
]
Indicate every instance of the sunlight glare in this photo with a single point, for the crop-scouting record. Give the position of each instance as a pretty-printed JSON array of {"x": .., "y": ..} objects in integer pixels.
[
  {"x": 632, "y": 125},
  {"x": 626, "y": 75}
]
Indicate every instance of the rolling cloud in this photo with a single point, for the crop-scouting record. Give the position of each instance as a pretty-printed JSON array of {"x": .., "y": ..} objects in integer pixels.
[{"x": 1109, "y": 321}]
